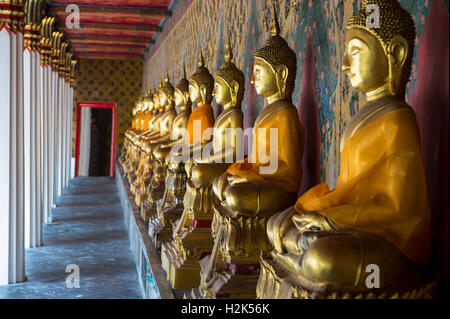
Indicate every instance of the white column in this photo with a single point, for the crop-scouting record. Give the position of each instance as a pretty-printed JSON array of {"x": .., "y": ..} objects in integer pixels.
[
  {"x": 85, "y": 142},
  {"x": 6, "y": 176},
  {"x": 44, "y": 141},
  {"x": 38, "y": 162},
  {"x": 71, "y": 160},
  {"x": 59, "y": 137},
  {"x": 28, "y": 119},
  {"x": 51, "y": 143},
  {"x": 20, "y": 248},
  {"x": 12, "y": 268}
]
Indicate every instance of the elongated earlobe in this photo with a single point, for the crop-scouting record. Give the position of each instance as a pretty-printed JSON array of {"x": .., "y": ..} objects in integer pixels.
[{"x": 397, "y": 55}]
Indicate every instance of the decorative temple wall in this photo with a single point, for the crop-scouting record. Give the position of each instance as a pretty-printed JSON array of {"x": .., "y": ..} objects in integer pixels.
[
  {"x": 326, "y": 102},
  {"x": 108, "y": 81}
]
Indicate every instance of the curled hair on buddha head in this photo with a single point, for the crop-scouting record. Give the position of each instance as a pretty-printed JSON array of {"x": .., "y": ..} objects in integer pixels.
[
  {"x": 394, "y": 21},
  {"x": 228, "y": 72},
  {"x": 276, "y": 52},
  {"x": 183, "y": 87},
  {"x": 203, "y": 77},
  {"x": 167, "y": 87}
]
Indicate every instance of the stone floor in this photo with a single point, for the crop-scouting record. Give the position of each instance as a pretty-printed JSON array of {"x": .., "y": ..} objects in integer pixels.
[{"x": 88, "y": 231}]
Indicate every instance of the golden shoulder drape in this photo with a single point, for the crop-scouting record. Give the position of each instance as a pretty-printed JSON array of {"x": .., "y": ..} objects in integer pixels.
[
  {"x": 205, "y": 115},
  {"x": 381, "y": 187},
  {"x": 288, "y": 175}
]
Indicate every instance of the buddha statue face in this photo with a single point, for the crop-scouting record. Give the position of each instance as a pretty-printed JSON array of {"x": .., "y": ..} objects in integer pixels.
[
  {"x": 201, "y": 84},
  {"x": 179, "y": 98},
  {"x": 365, "y": 62},
  {"x": 194, "y": 92},
  {"x": 229, "y": 81},
  {"x": 156, "y": 102},
  {"x": 163, "y": 99},
  {"x": 264, "y": 78},
  {"x": 378, "y": 60},
  {"x": 275, "y": 66},
  {"x": 150, "y": 104},
  {"x": 222, "y": 92}
]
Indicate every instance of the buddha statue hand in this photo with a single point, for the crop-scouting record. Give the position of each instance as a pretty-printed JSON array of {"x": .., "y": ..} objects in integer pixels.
[
  {"x": 219, "y": 185},
  {"x": 235, "y": 179},
  {"x": 278, "y": 225},
  {"x": 313, "y": 221}
]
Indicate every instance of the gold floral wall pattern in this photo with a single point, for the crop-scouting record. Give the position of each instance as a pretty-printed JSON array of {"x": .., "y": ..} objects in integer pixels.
[
  {"x": 109, "y": 81},
  {"x": 205, "y": 24}
]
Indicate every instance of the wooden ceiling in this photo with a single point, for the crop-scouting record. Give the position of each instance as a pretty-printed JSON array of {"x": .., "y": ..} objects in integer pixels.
[{"x": 112, "y": 29}]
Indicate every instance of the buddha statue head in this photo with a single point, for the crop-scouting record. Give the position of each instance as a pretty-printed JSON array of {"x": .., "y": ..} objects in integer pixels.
[
  {"x": 201, "y": 84},
  {"x": 166, "y": 92},
  {"x": 275, "y": 66},
  {"x": 156, "y": 101},
  {"x": 378, "y": 59},
  {"x": 229, "y": 82},
  {"x": 182, "y": 98},
  {"x": 149, "y": 100}
]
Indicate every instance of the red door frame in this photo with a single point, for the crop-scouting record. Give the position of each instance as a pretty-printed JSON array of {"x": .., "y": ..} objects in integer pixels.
[{"x": 113, "y": 133}]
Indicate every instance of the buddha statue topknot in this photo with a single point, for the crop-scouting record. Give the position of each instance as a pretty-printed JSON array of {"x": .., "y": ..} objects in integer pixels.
[{"x": 377, "y": 217}]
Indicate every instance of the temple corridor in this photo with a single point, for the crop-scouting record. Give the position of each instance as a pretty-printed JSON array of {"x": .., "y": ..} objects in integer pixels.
[{"x": 87, "y": 230}]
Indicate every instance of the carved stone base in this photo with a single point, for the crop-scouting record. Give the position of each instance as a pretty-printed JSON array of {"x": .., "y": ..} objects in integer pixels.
[
  {"x": 182, "y": 272},
  {"x": 160, "y": 225},
  {"x": 276, "y": 283},
  {"x": 181, "y": 257},
  {"x": 144, "y": 212},
  {"x": 235, "y": 282}
]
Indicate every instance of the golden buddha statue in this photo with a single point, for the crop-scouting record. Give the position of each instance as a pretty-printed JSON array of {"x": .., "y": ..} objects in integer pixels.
[
  {"x": 155, "y": 189},
  {"x": 195, "y": 222},
  {"x": 191, "y": 236},
  {"x": 125, "y": 148},
  {"x": 170, "y": 207},
  {"x": 253, "y": 190},
  {"x": 141, "y": 136},
  {"x": 128, "y": 165},
  {"x": 373, "y": 229},
  {"x": 137, "y": 141},
  {"x": 144, "y": 171}
]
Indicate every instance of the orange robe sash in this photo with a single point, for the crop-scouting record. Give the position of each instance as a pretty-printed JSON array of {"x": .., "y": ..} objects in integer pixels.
[
  {"x": 284, "y": 118},
  {"x": 205, "y": 115},
  {"x": 381, "y": 187}
]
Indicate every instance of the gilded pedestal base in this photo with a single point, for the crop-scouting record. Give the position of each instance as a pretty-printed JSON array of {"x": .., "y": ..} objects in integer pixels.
[
  {"x": 170, "y": 207},
  {"x": 232, "y": 271},
  {"x": 277, "y": 283},
  {"x": 192, "y": 239}
]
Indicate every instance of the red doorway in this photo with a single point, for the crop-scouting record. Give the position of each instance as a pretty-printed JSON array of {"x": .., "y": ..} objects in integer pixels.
[{"x": 113, "y": 133}]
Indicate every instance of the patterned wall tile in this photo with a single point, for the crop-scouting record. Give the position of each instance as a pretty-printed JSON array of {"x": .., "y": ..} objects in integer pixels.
[
  {"x": 205, "y": 24},
  {"x": 109, "y": 81}
]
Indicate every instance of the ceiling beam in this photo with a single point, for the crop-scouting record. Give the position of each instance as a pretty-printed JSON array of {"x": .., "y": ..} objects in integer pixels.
[
  {"x": 114, "y": 25},
  {"x": 142, "y": 10}
]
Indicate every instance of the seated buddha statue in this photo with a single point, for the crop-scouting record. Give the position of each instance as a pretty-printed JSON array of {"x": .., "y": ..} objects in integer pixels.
[
  {"x": 254, "y": 189},
  {"x": 155, "y": 189},
  {"x": 129, "y": 163},
  {"x": 193, "y": 231},
  {"x": 373, "y": 229},
  {"x": 143, "y": 169},
  {"x": 140, "y": 138},
  {"x": 146, "y": 127},
  {"x": 125, "y": 148},
  {"x": 201, "y": 86},
  {"x": 170, "y": 206}
]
